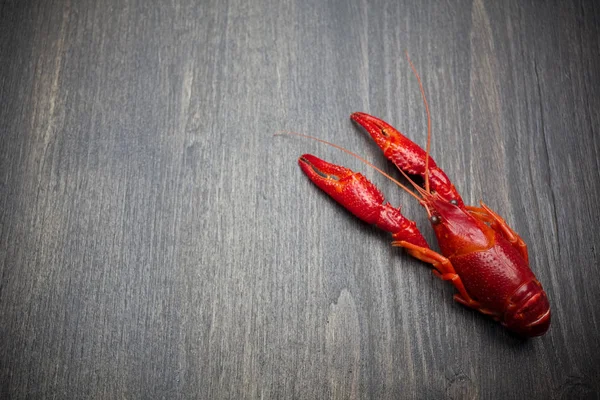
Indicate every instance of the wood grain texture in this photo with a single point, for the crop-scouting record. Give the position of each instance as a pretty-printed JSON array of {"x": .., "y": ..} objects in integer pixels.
[{"x": 157, "y": 241}]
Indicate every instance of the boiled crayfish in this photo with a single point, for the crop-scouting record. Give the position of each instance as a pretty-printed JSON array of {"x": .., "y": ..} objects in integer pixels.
[{"x": 485, "y": 260}]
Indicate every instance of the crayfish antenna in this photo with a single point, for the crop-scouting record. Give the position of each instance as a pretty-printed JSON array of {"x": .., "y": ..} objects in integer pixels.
[
  {"x": 427, "y": 149},
  {"x": 364, "y": 161},
  {"x": 425, "y": 195}
]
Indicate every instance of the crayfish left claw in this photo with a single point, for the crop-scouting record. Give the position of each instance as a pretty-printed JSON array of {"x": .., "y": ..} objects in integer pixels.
[
  {"x": 362, "y": 198},
  {"x": 407, "y": 155}
]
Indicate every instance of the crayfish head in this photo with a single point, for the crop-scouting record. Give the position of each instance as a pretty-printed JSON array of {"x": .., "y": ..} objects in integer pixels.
[{"x": 457, "y": 231}]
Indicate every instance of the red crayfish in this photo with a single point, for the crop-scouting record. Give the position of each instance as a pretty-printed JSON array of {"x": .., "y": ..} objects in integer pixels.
[{"x": 485, "y": 260}]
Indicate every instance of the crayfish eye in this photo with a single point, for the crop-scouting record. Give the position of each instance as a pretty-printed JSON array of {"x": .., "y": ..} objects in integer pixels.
[
  {"x": 454, "y": 202},
  {"x": 435, "y": 219}
]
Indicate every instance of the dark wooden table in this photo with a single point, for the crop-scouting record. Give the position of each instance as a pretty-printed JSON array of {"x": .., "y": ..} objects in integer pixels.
[{"x": 157, "y": 241}]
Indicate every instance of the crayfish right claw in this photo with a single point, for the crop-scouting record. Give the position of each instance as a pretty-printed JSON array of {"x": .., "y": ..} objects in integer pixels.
[{"x": 407, "y": 155}]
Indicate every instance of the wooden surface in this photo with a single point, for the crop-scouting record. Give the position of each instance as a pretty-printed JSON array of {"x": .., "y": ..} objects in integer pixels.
[{"x": 157, "y": 241}]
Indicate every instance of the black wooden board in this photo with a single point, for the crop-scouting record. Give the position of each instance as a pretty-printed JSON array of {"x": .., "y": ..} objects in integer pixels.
[{"x": 158, "y": 241}]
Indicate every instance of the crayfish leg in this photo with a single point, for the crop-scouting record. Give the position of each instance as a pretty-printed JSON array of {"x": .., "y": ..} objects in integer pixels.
[
  {"x": 475, "y": 305},
  {"x": 443, "y": 270}
]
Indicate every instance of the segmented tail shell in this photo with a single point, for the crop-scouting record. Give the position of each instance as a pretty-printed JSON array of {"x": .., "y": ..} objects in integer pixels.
[{"x": 528, "y": 310}]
